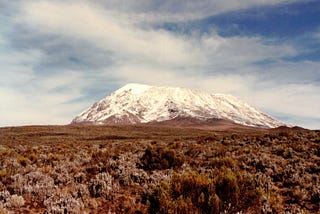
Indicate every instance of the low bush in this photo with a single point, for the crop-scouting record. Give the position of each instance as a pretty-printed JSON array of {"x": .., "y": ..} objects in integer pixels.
[
  {"x": 197, "y": 193},
  {"x": 160, "y": 158},
  {"x": 101, "y": 185},
  {"x": 23, "y": 161},
  {"x": 67, "y": 169}
]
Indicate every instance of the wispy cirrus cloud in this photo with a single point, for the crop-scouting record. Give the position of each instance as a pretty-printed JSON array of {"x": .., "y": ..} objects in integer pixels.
[
  {"x": 126, "y": 41},
  {"x": 175, "y": 10},
  {"x": 107, "y": 31}
]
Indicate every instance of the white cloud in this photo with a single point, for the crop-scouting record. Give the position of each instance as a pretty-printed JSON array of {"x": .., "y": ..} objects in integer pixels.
[
  {"x": 297, "y": 104},
  {"x": 163, "y": 76},
  {"x": 317, "y": 35},
  {"x": 128, "y": 41},
  {"x": 237, "y": 52},
  {"x": 2, "y": 40},
  {"x": 16, "y": 108},
  {"x": 109, "y": 31},
  {"x": 29, "y": 98},
  {"x": 43, "y": 101},
  {"x": 16, "y": 68},
  {"x": 176, "y": 10}
]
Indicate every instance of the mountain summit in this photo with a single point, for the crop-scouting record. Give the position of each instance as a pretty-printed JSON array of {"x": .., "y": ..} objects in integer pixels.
[{"x": 137, "y": 103}]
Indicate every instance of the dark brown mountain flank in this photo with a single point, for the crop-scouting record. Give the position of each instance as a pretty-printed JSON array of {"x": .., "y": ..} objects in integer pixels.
[
  {"x": 208, "y": 124},
  {"x": 159, "y": 169}
]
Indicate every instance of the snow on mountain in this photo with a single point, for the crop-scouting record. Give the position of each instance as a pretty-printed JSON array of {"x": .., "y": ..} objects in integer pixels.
[{"x": 137, "y": 103}]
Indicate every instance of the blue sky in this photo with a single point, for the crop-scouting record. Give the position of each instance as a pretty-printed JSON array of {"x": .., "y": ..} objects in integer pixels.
[{"x": 59, "y": 57}]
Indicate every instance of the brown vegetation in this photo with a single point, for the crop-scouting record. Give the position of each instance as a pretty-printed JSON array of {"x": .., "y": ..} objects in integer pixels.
[{"x": 127, "y": 169}]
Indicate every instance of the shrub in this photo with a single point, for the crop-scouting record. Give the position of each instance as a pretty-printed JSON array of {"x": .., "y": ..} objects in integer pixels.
[
  {"x": 23, "y": 161},
  {"x": 36, "y": 183},
  {"x": 3, "y": 173},
  {"x": 63, "y": 203},
  {"x": 223, "y": 162},
  {"x": 16, "y": 201},
  {"x": 196, "y": 193},
  {"x": 4, "y": 196},
  {"x": 160, "y": 158},
  {"x": 185, "y": 193},
  {"x": 125, "y": 170},
  {"x": 33, "y": 157},
  {"x": 227, "y": 188},
  {"x": 315, "y": 195},
  {"x": 101, "y": 185}
]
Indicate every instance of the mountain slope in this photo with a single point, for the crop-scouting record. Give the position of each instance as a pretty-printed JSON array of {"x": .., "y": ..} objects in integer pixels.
[{"x": 136, "y": 103}]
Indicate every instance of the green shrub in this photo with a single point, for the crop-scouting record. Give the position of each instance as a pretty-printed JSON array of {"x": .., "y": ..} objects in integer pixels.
[
  {"x": 33, "y": 157},
  {"x": 3, "y": 173},
  {"x": 23, "y": 161},
  {"x": 196, "y": 193},
  {"x": 239, "y": 190},
  {"x": 186, "y": 193},
  {"x": 160, "y": 158},
  {"x": 227, "y": 188},
  {"x": 220, "y": 162}
]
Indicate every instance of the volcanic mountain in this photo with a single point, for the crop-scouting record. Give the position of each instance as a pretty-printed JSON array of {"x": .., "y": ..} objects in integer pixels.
[{"x": 144, "y": 104}]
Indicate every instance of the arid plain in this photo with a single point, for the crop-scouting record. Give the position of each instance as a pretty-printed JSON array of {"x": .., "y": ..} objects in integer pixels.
[{"x": 157, "y": 169}]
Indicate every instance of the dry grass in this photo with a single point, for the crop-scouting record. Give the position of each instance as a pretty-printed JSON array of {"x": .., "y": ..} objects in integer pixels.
[{"x": 128, "y": 169}]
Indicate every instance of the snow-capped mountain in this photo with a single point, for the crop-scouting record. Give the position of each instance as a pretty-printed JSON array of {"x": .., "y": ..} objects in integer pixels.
[{"x": 137, "y": 103}]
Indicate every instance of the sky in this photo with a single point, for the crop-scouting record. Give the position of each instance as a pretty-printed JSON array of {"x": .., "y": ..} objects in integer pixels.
[{"x": 59, "y": 57}]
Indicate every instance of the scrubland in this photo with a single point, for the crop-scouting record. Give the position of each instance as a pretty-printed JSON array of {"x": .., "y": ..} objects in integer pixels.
[{"x": 140, "y": 169}]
